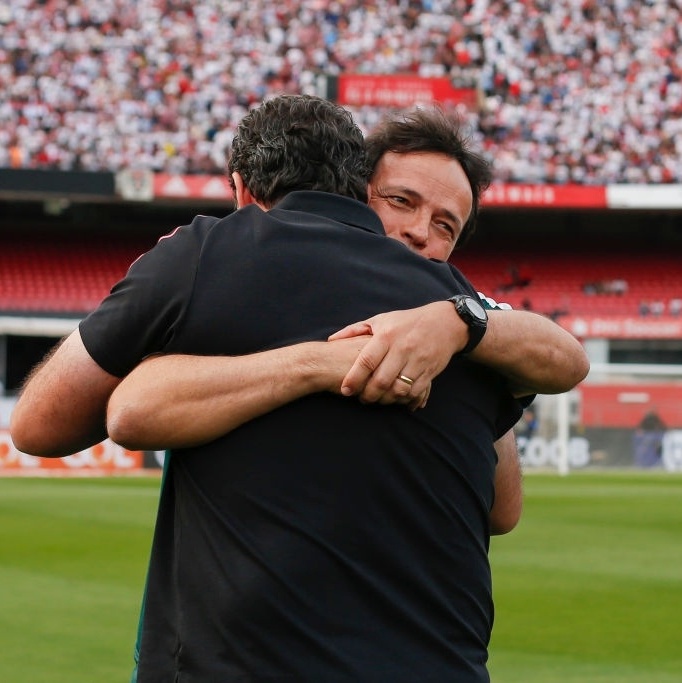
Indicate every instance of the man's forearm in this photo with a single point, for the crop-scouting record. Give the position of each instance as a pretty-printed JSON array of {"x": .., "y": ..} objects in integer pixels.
[
  {"x": 537, "y": 355},
  {"x": 61, "y": 409},
  {"x": 508, "y": 505},
  {"x": 179, "y": 401}
]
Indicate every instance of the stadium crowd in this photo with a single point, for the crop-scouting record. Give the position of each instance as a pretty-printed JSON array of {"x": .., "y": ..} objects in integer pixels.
[{"x": 585, "y": 91}]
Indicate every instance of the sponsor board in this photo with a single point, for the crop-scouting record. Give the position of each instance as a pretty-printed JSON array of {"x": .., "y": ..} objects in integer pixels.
[
  {"x": 600, "y": 448},
  {"x": 400, "y": 90},
  {"x": 545, "y": 196},
  {"x": 622, "y": 327},
  {"x": 106, "y": 456},
  {"x": 203, "y": 187}
]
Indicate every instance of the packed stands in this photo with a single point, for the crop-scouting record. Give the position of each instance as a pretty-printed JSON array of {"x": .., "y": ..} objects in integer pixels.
[{"x": 583, "y": 92}]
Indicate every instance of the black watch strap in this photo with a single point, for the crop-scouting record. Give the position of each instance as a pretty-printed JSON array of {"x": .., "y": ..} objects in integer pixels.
[{"x": 471, "y": 311}]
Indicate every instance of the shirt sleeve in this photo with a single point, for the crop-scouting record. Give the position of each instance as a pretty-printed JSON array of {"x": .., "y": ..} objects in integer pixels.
[
  {"x": 142, "y": 311},
  {"x": 490, "y": 303},
  {"x": 510, "y": 412}
]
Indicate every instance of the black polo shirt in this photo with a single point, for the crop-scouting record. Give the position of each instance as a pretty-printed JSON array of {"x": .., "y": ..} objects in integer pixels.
[{"x": 327, "y": 540}]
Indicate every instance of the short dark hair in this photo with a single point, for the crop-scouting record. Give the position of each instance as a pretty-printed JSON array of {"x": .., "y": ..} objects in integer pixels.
[
  {"x": 432, "y": 130},
  {"x": 299, "y": 142}
]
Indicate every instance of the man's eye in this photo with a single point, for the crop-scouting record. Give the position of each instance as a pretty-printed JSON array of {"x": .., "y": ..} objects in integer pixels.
[{"x": 398, "y": 199}]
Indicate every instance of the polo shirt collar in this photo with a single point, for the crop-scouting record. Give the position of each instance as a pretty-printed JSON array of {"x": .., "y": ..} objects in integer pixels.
[{"x": 334, "y": 206}]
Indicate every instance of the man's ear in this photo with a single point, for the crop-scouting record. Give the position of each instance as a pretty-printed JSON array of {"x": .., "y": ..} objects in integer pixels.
[{"x": 242, "y": 194}]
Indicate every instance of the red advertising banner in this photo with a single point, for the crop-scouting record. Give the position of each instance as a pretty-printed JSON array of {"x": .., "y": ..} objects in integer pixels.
[
  {"x": 400, "y": 91},
  {"x": 623, "y": 327},
  {"x": 545, "y": 196},
  {"x": 624, "y": 405}
]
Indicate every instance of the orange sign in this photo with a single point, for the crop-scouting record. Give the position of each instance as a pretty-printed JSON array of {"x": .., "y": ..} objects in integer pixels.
[{"x": 106, "y": 456}]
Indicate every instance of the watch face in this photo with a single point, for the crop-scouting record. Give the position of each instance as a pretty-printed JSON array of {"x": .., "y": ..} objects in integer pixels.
[{"x": 476, "y": 309}]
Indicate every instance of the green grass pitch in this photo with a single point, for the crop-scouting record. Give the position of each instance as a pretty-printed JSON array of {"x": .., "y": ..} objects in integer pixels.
[
  {"x": 588, "y": 588},
  {"x": 73, "y": 556}
]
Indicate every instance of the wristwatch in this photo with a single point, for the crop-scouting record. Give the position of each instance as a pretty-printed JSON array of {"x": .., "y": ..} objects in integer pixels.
[{"x": 471, "y": 311}]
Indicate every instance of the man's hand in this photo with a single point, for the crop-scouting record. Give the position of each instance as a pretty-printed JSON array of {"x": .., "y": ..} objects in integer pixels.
[
  {"x": 416, "y": 344},
  {"x": 342, "y": 353}
]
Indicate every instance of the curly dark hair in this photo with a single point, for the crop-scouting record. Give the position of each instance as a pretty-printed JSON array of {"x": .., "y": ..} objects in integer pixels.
[
  {"x": 432, "y": 130},
  {"x": 299, "y": 142}
]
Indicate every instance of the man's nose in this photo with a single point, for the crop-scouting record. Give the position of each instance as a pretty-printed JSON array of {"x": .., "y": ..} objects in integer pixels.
[{"x": 418, "y": 232}]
